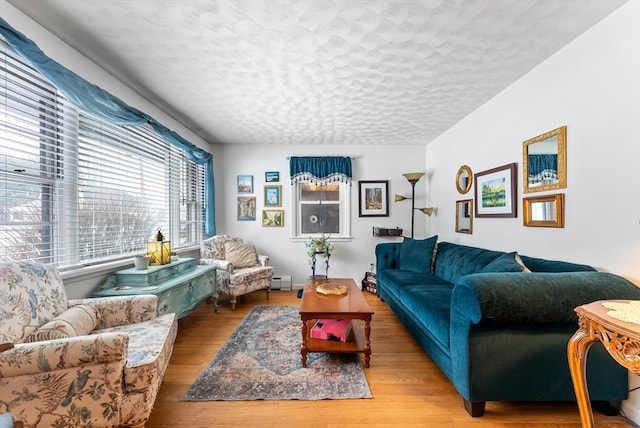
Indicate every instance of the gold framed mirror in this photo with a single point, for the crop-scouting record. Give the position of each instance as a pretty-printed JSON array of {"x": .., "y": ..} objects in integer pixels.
[
  {"x": 544, "y": 211},
  {"x": 464, "y": 218},
  {"x": 464, "y": 179},
  {"x": 545, "y": 161}
]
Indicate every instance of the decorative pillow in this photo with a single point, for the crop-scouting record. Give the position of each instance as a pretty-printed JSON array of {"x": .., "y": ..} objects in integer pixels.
[
  {"x": 506, "y": 263},
  {"x": 521, "y": 263},
  {"x": 241, "y": 255},
  {"x": 416, "y": 255},
  {"x": 75, "y": 321}
]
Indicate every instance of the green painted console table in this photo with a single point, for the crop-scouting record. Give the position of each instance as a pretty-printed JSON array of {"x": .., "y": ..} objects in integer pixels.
[{"x": 180, "y": 285}]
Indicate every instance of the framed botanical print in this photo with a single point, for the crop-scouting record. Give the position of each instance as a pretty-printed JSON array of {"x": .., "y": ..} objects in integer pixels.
[
  {"x": 273, "y": 195},
  {"x": 272, "y": 218}
]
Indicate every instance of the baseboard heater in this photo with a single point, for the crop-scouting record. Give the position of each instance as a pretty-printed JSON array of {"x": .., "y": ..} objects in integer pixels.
[{"x": 281, "y": 282}]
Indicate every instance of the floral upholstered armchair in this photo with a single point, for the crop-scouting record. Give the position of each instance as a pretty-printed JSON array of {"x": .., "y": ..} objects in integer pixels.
[
  {"x": 72, "y": 363},
  {"x": 240, "y": 270}
]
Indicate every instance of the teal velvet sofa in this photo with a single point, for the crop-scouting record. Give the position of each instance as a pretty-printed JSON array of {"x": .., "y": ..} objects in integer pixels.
[{"x": 497, "y": 324}]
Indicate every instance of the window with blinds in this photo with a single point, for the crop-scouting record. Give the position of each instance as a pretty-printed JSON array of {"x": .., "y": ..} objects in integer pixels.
[{"x": 75, "y": 190}]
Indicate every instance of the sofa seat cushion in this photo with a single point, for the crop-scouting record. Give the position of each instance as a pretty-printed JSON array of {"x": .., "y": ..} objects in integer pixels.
[
  {"x": 398, "y": 277},
  {"x": 430, "y": 306},
  {"x": 240, "y": 276},
  {"x": 149, "y": 351}
]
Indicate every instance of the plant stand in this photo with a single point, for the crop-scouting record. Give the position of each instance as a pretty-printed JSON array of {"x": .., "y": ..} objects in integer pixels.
[{"x": 326, "y": 264}]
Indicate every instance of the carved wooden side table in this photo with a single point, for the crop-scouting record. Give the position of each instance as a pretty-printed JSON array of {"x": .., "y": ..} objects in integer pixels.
[{"x": 612, "y": 322}]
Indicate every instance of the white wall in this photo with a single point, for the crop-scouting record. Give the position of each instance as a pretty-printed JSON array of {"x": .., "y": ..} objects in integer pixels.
[
  {"x": 593, "y": 87},
  {"x": 349, "y": 259}
]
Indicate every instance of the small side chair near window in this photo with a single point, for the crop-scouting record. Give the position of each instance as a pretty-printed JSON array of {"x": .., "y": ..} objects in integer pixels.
[{"x": 240, "y": 269}]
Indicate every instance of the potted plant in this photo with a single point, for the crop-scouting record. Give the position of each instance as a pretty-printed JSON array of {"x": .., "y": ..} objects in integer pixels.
[{"x": 319, "y": 245}]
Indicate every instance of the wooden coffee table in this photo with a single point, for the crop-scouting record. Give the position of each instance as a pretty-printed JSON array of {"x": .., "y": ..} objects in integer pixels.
[{"x": 352, "y": 306}]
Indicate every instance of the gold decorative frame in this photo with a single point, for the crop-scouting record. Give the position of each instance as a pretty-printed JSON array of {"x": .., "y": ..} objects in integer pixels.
[
  {"x": 272, "y": 218},
  {"x": 464, "y": 178},
  {"x": 550, "y": 143},
  {"x": 464, "y": 216},
  {"x": 538, "y": 214}
]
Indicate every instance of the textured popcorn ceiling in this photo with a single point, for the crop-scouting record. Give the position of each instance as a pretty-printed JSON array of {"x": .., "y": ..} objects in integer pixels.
[{"x": 318, "y": 71}]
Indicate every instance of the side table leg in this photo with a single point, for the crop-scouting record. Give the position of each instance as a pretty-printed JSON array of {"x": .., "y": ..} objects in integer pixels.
[
  {"x": 303, "y": 347},
  {"x": 367, "y": 343},
  {"x": 577, "y": 350}
]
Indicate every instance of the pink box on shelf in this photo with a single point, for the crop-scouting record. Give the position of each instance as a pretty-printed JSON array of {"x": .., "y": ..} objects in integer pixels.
[{"x": 331, "y": 329}]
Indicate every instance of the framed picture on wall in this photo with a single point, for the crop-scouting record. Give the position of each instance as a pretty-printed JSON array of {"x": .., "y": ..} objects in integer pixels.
[
  {"x": 272, "y": 218},
  {"x": 373, "y": 198},
  {"x": 245, "y": 184},
  {"x": 273, "y": 195},
  {"x": 246, "y": 208},
  {"x": 272, "y": 176},
  {"x": 496, "y": 192}
]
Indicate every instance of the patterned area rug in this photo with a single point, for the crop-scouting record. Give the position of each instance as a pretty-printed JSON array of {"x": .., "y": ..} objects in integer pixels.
[{"x": 261, "y": 361}]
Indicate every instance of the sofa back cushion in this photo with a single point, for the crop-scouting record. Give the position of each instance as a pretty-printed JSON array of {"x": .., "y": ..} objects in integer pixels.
[
  {"x": 454, "y": 261},
  {"x": 416, "y": 255},
  {"x": 31, "y": 295},
  {"x": 544, "y": 265}
]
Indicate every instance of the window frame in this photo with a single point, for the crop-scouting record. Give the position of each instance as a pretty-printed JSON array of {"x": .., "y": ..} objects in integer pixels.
[{"x": 344, "y": 203}]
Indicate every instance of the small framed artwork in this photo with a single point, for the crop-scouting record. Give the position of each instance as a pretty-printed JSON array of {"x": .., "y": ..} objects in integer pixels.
[
  {"x": 246, "y": 208},
  {"x": 374, "y": 198},
  {"x": 245, "y": 184},
  {"x": 272, "y": 218},
  {"x": 272, "y": 195},
  {"x": 272, "y": 176},
  {"x": 495, "y": 192}
]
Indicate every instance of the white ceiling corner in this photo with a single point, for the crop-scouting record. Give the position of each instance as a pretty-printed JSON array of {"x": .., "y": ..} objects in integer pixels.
[{"x": 317, "y": 71}]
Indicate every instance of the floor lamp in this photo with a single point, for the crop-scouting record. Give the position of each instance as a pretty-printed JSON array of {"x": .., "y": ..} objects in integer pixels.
[{"x": 413, "y": 178}]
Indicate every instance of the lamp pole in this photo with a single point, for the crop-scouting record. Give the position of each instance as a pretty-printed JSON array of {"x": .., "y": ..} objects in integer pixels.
[{"x": 413, "y": 203}]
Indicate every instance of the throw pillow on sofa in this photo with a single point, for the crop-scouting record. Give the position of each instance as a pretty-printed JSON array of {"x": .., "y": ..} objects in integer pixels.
[
  {"x": 509, "y": 262},
  {"x": 416, "y": 255}
]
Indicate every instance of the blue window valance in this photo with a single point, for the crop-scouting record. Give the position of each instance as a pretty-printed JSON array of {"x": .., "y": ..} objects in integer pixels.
[
  {"x": 320, "y": 169},
  {"x": 101, "y": 104},
  {"x": 539, "y": 163}
]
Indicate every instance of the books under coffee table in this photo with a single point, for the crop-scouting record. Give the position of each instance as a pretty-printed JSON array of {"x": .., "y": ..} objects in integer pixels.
[{"x": 351, "y": 306}]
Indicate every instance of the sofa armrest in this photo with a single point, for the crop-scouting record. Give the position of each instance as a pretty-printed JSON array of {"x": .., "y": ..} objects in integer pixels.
[
  {"x": 535, "y": 297},
  {"x": 81, "y": 351},
  {"x": 121, "y": 310},
  {"x": 387, "y": 255},
  {"x": 219, "y": 264}
]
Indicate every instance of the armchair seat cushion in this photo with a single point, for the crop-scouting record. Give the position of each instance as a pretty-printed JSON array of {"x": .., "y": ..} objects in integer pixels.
[
  {"x": 250, "y": 274},
  {"x": 149, "y": 350}
]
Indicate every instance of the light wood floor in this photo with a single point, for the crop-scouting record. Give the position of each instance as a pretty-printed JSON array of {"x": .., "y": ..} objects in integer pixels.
[{"x": 408, "y": 388}]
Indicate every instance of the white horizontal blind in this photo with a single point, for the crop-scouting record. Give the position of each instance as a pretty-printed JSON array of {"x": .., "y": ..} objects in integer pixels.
[{"x": 75, "y": 190}]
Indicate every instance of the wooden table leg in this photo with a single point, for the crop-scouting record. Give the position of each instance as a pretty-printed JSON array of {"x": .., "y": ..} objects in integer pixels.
[
  {"x": 577, "y": 350},
  {"x": 367, "y": 343},
  {"x": 303, "y": 347}
]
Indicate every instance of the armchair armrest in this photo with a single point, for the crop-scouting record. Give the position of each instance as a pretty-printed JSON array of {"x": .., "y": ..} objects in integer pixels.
[
  {"x": 121, "y": 310},
  {"x": 59, "y": 354},
  {"x": 533, "y": 298},
  {"x": 263, "y": 259},
  {"x": 218, "y": 263}
]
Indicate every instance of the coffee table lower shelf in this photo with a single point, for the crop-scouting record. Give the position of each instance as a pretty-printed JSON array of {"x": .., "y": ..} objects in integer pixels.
[{"x": 356, "y": 343}]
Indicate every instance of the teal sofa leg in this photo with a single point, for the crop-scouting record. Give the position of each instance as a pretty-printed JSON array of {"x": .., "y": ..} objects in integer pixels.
[
  {"x": 607, "y": 408},
  {"x": 474, "y": 408}
]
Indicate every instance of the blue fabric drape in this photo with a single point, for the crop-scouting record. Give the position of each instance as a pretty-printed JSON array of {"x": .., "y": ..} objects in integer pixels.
[
  {"x": 539, "y": 163},
  {"x": 101, "y": 104},
  {"x": 320, "y": 169}
]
